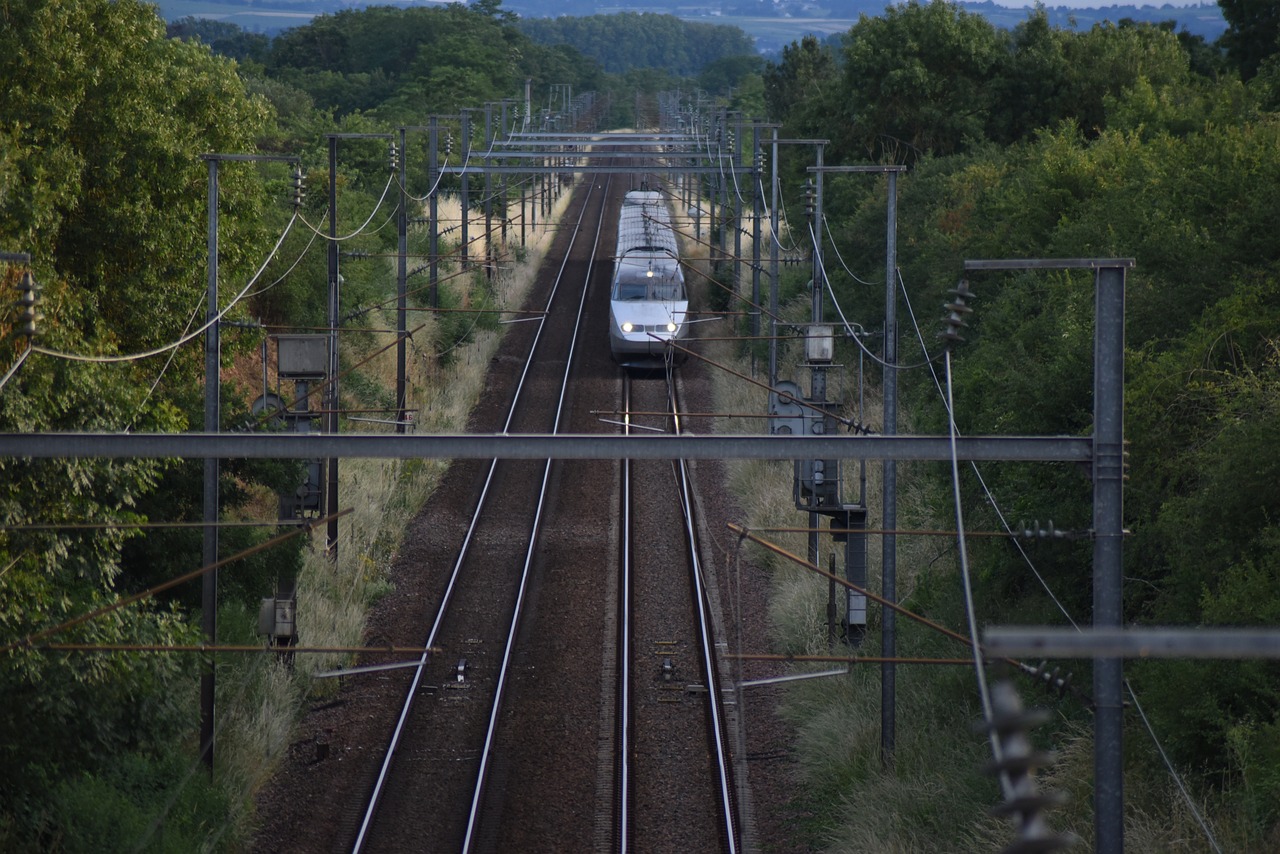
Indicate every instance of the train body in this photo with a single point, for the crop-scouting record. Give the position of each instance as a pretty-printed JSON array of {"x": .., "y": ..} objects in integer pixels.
[{"x": 648, "y": 302}]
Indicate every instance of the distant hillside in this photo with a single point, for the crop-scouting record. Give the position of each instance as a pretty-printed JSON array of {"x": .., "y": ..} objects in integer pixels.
[
  {"x": 1203, "y": 20},
  {"x": 772, "y": 23}
]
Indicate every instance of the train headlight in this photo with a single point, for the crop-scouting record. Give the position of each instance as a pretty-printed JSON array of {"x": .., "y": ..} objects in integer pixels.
[
  {"x": 627, "y": 326},
  {"x": 672, "y": 327}
]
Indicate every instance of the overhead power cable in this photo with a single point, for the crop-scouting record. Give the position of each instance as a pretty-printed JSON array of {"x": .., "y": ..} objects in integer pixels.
[
  {"x": 77, "y": 357},
  {"x": 391, "y": 179}
]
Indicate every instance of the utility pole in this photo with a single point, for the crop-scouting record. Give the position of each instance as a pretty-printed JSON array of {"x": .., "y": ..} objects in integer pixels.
[
  {"x": 889, "y": 556},
  {"x": 212, "y": 424},
  {"x": 335, "y": 299},
  {"x": 402, "y": 279},
  {"x": 1108, "y": 529}
]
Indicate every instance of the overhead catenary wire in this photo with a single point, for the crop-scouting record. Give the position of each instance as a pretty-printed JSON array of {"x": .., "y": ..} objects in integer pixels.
[
  {"x": 133, "y": 357},
  {"x": 768, "y": 218},
  {"x": 391, "y": 179},
  {"x": 440, "y": 173},
  {"x": 979, "y": 667},
  {"x": 827, "y": 225},
  {"x": 848, "y": 327}
]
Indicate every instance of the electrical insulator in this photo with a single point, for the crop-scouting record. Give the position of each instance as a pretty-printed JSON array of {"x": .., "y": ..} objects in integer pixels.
[
  {"x": 810, "y": 199},
  {"x": 392, "y": 159},
  {"x": 1054, "y": 680},
  {"x": 28, "y": 296},
  {"x": 957, "y": 311},
  {"x": 1024, "y": 803},
  {"x": 298, "y": 194}
]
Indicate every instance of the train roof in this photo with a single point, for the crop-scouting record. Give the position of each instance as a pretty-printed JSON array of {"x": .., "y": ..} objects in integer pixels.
[
  {"x": 645, "y": 226},
  {"x": 643, "y": 197}
]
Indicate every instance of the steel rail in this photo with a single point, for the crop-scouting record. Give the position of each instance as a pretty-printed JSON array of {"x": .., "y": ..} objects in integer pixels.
[
  {"x": 715, "y": 700},
  {"x": 455, "y": 574},
  {"x": 473, "y": 819},
  {"x": 624, "y": 631}
]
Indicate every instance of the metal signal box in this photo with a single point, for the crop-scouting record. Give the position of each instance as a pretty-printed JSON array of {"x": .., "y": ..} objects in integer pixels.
[{"x": 303, "y": 357}]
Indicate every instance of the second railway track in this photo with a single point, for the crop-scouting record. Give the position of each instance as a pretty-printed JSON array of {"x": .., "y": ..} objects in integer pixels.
[{"x": 433, "y": 784}]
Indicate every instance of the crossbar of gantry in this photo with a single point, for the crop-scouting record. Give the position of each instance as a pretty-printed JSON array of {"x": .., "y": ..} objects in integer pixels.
[
  {"x": 601, "y": 155},
  {"x": 602, "y": 169},
  {"x": 590, "y": 446},
  {"x": 594, "y": 143},
  {"x": 603, "y": 137},
  {"x": 1114, "y": 642}
]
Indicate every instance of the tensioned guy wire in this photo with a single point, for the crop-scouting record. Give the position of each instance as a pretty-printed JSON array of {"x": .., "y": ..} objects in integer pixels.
[
  {"x": 391, "y": 179},
  {"x": 979, "y": 667}
]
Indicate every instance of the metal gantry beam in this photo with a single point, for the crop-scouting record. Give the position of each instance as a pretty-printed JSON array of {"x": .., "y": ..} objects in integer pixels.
[
  {"x": 1202, "y": 643},
  {"x": 560, "y": 446},
  {"x": 602, "y": 169}
]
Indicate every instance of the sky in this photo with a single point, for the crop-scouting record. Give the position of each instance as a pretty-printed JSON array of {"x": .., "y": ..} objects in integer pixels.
[{"x": 1097, "y": 4}]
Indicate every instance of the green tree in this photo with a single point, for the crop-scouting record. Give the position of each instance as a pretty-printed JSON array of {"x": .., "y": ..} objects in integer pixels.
[
  {"x": 630, "y": 40},
  {"x": 1108, "y": 60},
  {"x": 101, "y": 181},
  {"x": 223, "y": 38},
  {"x": 804, "y": 93},
  {"x": 1032, "y": 80},
  {"x": 1253, "y": 33},
  {"x": 918, "y": 80}
]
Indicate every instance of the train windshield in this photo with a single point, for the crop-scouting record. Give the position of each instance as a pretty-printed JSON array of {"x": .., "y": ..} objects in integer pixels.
[{"x": 646, "y": 285}]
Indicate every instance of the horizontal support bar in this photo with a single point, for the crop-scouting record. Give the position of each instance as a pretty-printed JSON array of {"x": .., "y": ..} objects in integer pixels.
[
  {"x": 567, "y": 446},
  {"x": 836, "y": 170},
  {"x": 1048, "y": 263},
  {"x": 600, "y": 155},
  {"x": 253, "y": 158},
  {"x": 1218, "y": 643},
  {"x": 570, "y": 169}
]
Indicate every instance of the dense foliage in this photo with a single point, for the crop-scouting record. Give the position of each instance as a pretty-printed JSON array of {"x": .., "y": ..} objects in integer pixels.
[
  {"x": 102, "y": 184},
  {"x": 407, "y": 63},
  {"x": 642, "y": 40},
  {"x": 1122, "y": 141}
]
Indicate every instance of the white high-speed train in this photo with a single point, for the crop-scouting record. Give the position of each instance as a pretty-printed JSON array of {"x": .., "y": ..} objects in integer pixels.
[{"x": 648, "y": 305}]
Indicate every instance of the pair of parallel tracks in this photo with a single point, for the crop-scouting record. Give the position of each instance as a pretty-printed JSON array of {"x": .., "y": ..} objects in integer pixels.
[{"x": 538, "y": 727}]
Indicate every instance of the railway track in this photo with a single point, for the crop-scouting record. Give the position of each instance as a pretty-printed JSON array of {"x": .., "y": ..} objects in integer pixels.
[
  {"x": 675, "y": 775},
  {"x": 437, "y": 764},
  {"x": 517, "y": 735}
]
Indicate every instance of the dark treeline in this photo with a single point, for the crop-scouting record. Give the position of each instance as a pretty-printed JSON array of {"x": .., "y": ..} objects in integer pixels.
[{"x": 631, "y": 40}]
